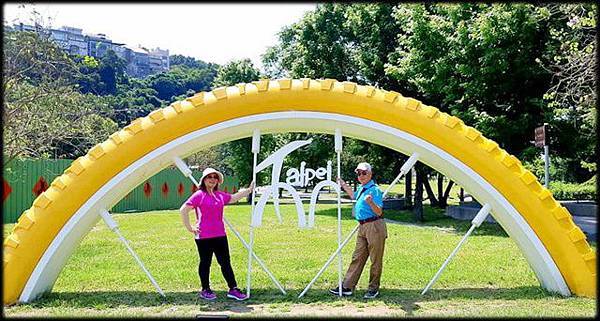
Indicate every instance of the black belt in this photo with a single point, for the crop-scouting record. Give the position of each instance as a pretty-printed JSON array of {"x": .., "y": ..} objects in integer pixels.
[{"x": 370, "y": 219}]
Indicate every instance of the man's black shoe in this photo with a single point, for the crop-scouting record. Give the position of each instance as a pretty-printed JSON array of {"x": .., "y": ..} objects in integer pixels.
[
  {"x": 371, "y": 294},
  {"x": 345, "y": 291}
]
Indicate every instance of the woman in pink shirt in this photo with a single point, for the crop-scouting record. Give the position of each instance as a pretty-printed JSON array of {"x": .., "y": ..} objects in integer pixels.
[{"x": 209, "y": 232}]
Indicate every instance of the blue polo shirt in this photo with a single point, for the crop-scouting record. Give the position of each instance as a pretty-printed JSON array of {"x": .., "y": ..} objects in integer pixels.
[{"x": 362, "y": 210}]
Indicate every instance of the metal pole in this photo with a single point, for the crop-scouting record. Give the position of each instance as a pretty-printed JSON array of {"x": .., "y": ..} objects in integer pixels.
[
  {"x": 481, "y": 215},
  {"x": 112, "y": 225},
  {"x": 255, "y": 149},
  {"x": 546, "y": 166},
  {"x": 338, "y": 149}
]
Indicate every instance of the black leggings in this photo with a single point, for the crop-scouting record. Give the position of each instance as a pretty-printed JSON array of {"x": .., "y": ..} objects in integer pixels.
[{"x": 218, "y": 246}]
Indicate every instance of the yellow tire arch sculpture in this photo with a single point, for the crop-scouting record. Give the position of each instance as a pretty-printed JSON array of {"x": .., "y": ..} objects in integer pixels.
[{"x": 47, "y": 233}]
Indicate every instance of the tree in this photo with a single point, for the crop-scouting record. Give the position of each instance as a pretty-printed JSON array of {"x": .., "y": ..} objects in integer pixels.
[
  {"x": 477, "y": 62},
  {"x": 199, "y": 79},
  {"x": 189, "y": 62},
  {"x": 94, "y": 126},
  {"x": 136, "y": 98},
  {"x": 44, "y": 115},
  {"x": 166, "y": 85},
  {"x": 111, "y": 71},
  {"x": 372, "y": 37},
  {"x": 236, "y": 71},
  {"x": 190, "y": 80},
  {"x": 314, "y": 47},
  {"x": 570, "y": 58},
  {"x": 346, "y": 42},
  {"x": 133, "y": 103},
  {"x": 210, "y": 157},
  {"x": 89, "y": 76},
  {"x": 418, "y": 203},
  {"x": 34, "y": 58}
]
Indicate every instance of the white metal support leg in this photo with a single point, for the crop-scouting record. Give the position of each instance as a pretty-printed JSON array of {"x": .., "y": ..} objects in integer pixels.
[
  {"x": 406, "y": 167},
  {"x": 260, "y": 262},
  {"x": 112, "y": 225},
  {"x": 186, "y": 171},
  {"x": 339, "y": 249},
  {"x": 476, "y": 222}
]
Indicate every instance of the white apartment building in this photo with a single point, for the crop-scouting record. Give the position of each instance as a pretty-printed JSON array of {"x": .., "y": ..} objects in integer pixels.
[
  {"x": 71, "y": 40},
  {"x": 141, "y": 62},
  {"x": 159, "y": 60}
]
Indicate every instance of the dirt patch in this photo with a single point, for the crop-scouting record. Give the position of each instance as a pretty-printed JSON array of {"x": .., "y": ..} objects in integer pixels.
[{"x": 341, "y": 310}]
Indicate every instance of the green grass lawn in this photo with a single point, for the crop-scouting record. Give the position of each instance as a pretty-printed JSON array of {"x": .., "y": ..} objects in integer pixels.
[{"x": 488, "y": 277}]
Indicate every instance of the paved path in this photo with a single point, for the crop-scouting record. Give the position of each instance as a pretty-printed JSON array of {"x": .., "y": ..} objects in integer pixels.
[{"x": 588, "y": 224}]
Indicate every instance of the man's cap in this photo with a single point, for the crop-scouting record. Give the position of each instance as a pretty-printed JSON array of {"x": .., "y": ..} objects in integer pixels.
[{"x": 363, "y": 166}]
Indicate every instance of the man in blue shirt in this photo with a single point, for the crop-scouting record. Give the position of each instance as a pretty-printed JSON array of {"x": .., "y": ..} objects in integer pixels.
[{"x": 372, "y": 232}]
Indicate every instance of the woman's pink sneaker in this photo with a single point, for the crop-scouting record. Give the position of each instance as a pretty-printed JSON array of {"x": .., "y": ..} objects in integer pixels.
[
  {"x": 207, "y": 295},
  {"x": 235, "y": 293}
]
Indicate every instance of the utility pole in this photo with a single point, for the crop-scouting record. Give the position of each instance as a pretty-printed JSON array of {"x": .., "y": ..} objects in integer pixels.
[{"x": 540, "y": 141}]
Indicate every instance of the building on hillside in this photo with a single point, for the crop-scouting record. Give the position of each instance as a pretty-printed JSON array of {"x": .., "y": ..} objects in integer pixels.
[
  {"x": 24, "y": 27},
  {"x": 159, "y": 60},
  {"x": 98, "y": 45},
  {"x": 144, "y": 62},
  {"x": 139, "y": 65},
  {"x": 70, "y": 39},
  {"x": 124, "y": 52},
  {"x": 141, "y": 62}
]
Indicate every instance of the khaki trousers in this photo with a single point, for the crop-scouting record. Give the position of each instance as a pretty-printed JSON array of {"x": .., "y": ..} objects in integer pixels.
[{"x": 370, "y": 242}]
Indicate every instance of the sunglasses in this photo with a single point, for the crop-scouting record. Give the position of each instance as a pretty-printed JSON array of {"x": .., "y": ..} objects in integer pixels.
[
  {"x": 361, "y": 172},
  {"x": 212, "y": 176}
]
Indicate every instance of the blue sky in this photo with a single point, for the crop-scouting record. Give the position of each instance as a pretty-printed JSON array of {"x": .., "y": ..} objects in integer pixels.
[{"x": 210, "y": 32}]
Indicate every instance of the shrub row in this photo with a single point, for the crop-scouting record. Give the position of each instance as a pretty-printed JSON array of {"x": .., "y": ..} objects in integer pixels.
[{"x": 570, "y": 191}]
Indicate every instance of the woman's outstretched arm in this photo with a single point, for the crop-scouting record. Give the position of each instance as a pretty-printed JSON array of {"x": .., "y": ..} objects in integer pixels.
[{"x": 241, "y": 194}]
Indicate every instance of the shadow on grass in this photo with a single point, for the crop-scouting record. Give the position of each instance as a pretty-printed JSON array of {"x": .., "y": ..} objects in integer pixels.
[
  {"x": 409, "y": 299},
  {"x": 120, "y": 299},
  {"x": 405, "y": 299}
]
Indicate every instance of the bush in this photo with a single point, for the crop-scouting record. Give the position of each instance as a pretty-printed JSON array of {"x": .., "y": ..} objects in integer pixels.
[
  {"x": 559, "y": 168},
  {"x": 569, "y": 191},
  {"x": 590, "y": 182}
]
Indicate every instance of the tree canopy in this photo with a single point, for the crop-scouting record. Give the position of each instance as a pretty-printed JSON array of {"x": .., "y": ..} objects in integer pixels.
[{"x": 503, "y": 68}]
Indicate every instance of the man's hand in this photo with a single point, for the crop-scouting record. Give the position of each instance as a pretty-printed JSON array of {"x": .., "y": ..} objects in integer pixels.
[
  {"x": 345, "y": 187},
  {"x": 374, "y": 207}
]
